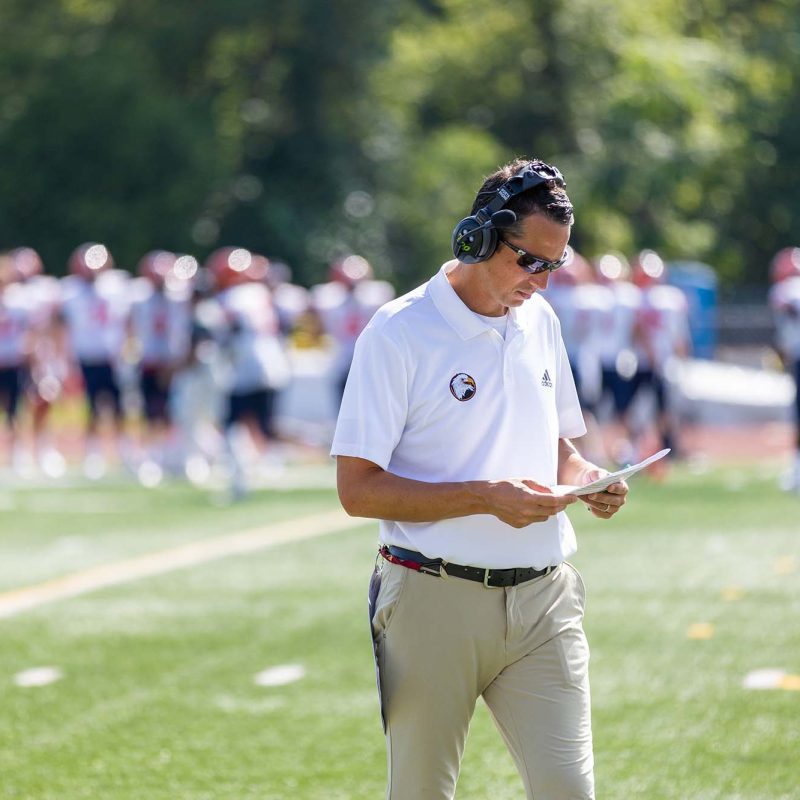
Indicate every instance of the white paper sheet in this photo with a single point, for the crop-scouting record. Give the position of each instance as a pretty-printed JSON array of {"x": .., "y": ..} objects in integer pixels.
[{"x": 614, "y": 477}]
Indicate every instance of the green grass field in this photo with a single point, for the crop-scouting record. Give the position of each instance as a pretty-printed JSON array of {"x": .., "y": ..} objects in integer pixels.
[{"x": 158, "y": 701}]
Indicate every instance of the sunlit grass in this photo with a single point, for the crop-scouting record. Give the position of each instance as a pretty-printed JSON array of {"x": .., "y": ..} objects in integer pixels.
[{"x": 158, "y": 698}]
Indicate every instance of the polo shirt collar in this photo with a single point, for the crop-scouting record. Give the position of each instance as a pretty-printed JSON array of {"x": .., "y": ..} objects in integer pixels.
[{"x": 460, "y": 318}]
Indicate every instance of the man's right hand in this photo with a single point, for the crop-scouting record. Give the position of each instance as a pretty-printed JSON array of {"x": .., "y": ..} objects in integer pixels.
[{"x": 521, "y": 502}]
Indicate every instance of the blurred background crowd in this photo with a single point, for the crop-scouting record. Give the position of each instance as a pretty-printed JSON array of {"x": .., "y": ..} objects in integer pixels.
[
  {"x": 312, "y": 131},
  {"x": 175, "y": 367},
  {"x": 212, "y": 372}
]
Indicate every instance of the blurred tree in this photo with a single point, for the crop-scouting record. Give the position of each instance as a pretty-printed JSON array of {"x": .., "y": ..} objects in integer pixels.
[
  {"x": 308, "y": 129},
  {"x": 96, "y": 146},
  {"x": 764, "y": 213},
  {"x": 189, "y": 125},
  {"x": 654, "y": 117}
]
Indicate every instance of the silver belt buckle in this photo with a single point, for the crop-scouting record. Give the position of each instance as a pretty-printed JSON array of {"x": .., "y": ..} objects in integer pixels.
[{"x": 486, "y": 580}]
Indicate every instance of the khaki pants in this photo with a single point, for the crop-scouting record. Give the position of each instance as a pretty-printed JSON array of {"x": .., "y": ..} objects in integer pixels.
[{"x": 443, "y": 642}]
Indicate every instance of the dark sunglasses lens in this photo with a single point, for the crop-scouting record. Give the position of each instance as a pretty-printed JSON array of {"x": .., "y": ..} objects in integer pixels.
[{"x": 527, "y": 261}]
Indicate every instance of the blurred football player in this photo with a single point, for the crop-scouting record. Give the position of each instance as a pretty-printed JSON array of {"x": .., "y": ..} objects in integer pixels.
[
  {"x": 616, "y": 350},
  {"x": 159, "y": 326},
  {"x": 290, "y": 300},
  {"x": 663, "y": 325},
  {"x": 345, "y": 305},
  {"x": 14, "y": 355},
  {"x": 94, "y": 311},
  {"x": 582, "y": 306},
  {"x": 48, "y": 356},
  {"x": 198, "y": 391},
  {"x": 259, "y": 366},
  {"x": 784, "y": 300}
]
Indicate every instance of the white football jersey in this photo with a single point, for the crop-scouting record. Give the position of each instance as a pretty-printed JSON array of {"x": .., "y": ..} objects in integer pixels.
[
  {"x": 95, "y": 314},
  {"x": 44, "y": 298},
  {"x": 290, "y": 302},
  {"x": 618, "y": 324},
  {"x": 784, "y": 300},
  {"x": 345, "y": 314},
  {"x": 15, "y": 321},
  {"x": 160, "y": 323},
  {"x": 664, "y": 325},
  {"x": 258, "y": 358}
]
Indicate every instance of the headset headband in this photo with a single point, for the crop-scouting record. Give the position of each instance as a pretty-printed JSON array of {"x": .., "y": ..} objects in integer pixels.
[{"x": 529, "y": 177}]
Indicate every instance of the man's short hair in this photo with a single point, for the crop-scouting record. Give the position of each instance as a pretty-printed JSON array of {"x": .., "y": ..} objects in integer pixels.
[{"x": 551, "y": 201}]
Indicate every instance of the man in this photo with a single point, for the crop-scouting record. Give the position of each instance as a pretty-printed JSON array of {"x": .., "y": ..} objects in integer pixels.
[
  {"x": 48, "y": 357},
  {"x": 158, "y": 325},
  {"x": 15, "y": 321},
  {"x": 94, "y": 310},
  {"x": 784, "y": 300},
  {"x": 260, "y": 367},
  {"x": 455, "y": 422},
  {"x": 664, "y": 339},
  {"x": 581, "y": 305},
  {"x": 344, "y": 306},
  {"x": 617, "y": 347}
]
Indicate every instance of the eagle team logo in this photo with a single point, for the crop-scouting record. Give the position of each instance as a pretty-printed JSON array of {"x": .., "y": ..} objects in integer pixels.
[{"x": 462, "y": 387}]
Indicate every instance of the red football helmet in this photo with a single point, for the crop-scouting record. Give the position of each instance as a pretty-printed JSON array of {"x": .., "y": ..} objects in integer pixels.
[
  {"x": 648, "y": 269},
  {"x": 89, "y": 260},
  {"x": 563, "y": 276},
  {"x": 785, "y": 264},
  {"x": 185, "y": 267},
  {"x": 27, "y": 263},
  {"x": 611, "y": 267},
  {"x": 350, "y": 270},
  {"x": 156, "y": 265},
  {"x": 229, "y": 266},
  {"x": 579, "y": 269},
  {"x": 258, "y": 269}
]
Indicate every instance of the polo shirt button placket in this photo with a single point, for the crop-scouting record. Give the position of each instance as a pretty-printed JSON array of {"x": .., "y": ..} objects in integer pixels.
[{"x": 508, "y": 360}]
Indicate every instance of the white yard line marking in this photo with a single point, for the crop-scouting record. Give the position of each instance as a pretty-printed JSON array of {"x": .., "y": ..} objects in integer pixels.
[
  {"x": 281, "y": 675},
  {"x": 188, "y": 555},
  {"x": 38, "y": 676},
  {"x": 764, "y": 679}
]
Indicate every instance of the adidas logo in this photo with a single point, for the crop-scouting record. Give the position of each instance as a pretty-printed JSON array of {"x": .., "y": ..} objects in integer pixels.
[{"x": 546, "y": 380}]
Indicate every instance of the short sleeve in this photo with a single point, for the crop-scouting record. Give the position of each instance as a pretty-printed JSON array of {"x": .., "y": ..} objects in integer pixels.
[{"x": 375, "y": 402}]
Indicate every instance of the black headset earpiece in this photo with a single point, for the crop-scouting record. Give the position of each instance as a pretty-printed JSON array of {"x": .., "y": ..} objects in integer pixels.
[
  {"x": 475, "y": 241},
  {"x": 475, "y": 238}
]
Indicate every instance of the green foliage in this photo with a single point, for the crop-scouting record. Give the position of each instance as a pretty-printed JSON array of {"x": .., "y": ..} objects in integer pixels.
[{"x": 309, "y": 129}]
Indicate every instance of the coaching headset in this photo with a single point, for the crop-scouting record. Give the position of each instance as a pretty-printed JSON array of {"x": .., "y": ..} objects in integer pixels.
[{"x": 475, "y": 238}]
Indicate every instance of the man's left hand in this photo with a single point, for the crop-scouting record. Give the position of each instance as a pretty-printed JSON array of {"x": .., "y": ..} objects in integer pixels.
[{"x": 606, "y": 503}]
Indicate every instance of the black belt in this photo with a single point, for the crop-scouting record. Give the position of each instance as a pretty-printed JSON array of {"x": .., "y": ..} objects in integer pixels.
[{"x": 492, "y": 578}]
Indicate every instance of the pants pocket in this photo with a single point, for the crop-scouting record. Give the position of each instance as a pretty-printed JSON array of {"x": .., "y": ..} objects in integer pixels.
[
  {"x": 385, "y": 587},
  {"x": 580, "y": 586},
  {"x": 573, "y": 650},
  {"x": 372, "y": 602}
]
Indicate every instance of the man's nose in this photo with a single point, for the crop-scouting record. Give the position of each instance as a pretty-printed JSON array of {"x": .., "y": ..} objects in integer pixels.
[{"x": 540, "y": 279}]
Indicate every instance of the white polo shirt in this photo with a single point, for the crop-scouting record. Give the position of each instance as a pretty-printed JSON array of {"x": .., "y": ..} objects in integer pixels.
[{"x": 436, "y": 394}]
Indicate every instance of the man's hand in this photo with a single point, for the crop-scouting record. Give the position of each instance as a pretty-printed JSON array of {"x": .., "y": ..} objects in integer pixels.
[
  {"x": 606, "y": 503},
  {"x": 521, "y": 502}
]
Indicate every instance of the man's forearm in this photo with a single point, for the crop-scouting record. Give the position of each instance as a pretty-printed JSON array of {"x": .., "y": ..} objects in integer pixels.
[
  {"x": 366, "y": 490},
  {"x": 383, "y": 495}
]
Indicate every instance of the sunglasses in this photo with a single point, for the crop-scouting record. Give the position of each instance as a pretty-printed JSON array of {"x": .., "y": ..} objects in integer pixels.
[{"x": 533, "y": 264}]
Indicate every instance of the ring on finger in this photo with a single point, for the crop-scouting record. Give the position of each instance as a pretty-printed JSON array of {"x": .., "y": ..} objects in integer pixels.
[{"x": 608, "y": 507}]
